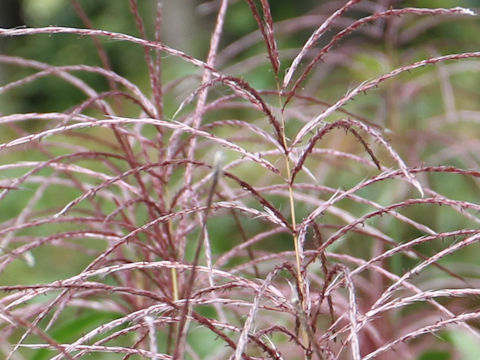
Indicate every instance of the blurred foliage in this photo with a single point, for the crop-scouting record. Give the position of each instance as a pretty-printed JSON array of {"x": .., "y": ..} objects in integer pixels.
[{"x": 128, "y": 60}]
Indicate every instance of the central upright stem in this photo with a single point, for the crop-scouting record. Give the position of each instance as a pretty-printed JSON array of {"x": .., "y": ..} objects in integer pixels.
[{"x": 298, "y": 265}]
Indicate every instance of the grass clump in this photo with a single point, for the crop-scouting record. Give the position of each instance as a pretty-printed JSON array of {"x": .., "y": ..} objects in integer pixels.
[{"x": 306, "y": 190}]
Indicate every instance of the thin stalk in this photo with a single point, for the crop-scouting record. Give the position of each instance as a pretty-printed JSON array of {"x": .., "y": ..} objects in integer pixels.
[
  {"x": 294, "y": 224},
  {"x": 173, "y": 270},
  {"x": 174, "y": 284},
  {"x": 174, "y": 275},
  {"x": 291, "y": 199},
  {"x": 304, "y": 331}
]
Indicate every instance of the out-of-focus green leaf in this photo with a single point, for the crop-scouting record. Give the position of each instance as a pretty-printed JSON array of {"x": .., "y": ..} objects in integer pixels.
[
  {"x": 435, "y": 355},
  {"x": 75, "y": 328},
  {"x": 467, "y": 347}
]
